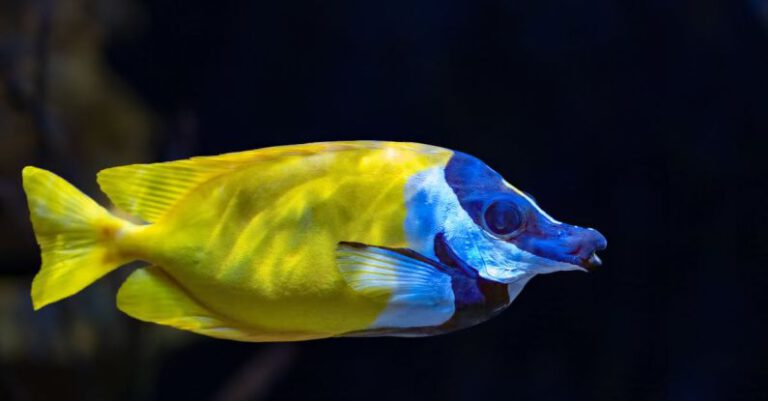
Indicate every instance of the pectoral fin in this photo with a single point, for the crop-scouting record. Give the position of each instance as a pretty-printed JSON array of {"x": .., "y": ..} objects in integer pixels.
[
  {"x": 417, "y": 292},
  {"x": 152, "y": 296}
]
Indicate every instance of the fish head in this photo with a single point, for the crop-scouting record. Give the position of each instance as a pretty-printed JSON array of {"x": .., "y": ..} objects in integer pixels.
[{"x": 502, "y": 233}]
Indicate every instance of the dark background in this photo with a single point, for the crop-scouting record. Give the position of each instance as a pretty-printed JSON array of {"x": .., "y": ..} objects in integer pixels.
[{"x": 646, "y": 120}]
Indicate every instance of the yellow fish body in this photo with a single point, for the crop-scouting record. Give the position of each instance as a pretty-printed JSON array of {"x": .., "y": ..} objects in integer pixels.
[{"x": 288, "y": 243}]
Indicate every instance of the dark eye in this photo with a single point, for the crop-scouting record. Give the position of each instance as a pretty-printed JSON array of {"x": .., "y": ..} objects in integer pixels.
[{"x": 502, "y": 217}]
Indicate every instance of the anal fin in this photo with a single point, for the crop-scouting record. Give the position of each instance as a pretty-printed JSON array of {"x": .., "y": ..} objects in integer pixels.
[{"x": 152, "y": 296}]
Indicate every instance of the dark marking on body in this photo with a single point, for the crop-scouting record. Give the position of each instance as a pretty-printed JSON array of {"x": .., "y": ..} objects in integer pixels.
[{"x": 476, "y": 298}]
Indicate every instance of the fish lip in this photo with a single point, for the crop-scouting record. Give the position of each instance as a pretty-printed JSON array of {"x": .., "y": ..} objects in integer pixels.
[{"x": 590, "y": 263}]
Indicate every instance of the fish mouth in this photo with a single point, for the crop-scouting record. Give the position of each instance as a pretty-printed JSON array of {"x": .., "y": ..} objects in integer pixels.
[
  {"x": 584, "y": 253},
  {"x": 587, "y": 263},
  {"x": 591, "y": 263}
]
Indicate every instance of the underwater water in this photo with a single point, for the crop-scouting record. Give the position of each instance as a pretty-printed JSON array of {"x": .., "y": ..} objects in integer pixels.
[{"x": 644, "y": 120}]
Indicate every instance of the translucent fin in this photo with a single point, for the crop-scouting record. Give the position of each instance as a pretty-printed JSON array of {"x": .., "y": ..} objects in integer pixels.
[
  {"x": 152, "y": 296},
  {"x": 150, "y": 190},
  {"x": 75, "y": 234},
  {"x": 417, "y": 292}
]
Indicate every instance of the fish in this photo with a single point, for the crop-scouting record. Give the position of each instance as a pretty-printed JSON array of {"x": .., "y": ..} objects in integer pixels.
[{"x": 303, "y": 242}]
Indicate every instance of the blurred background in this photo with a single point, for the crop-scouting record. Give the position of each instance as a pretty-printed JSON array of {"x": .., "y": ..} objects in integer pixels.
[{"x": 646, "y": 120}]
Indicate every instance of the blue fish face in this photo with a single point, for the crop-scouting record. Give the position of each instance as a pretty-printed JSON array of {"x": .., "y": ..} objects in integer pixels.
[
  {"x": 515, "y": 219},
  {"x": 496, "y": 228}
]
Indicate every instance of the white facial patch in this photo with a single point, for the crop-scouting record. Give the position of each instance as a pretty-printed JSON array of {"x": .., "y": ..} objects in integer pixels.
[{"x": 433, "y": 208}]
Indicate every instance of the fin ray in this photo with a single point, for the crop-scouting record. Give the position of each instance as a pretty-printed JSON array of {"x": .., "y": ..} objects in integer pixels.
[
  {"x": 404, "y": 278},
  {"x": 417, "y": 292},
  {"x": 150, "y": 190}
]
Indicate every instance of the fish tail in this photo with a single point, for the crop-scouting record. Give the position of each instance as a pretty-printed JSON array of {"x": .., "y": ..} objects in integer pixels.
[{"x": 77, "y": 237}]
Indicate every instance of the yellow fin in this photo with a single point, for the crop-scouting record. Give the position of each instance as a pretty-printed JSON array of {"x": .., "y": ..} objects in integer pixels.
[
  {"x": 151, "y": 190},
  {"x": 152, "y": 296},
  {"x": 75, "y": 234}
]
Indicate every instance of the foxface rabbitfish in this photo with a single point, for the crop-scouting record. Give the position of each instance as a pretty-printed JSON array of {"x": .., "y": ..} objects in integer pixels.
[{"x": 303, "y": 242}]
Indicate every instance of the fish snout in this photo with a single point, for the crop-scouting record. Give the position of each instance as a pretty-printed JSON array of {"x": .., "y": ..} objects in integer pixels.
[
  {"x": 584, "y": 244},
  {"x": 573, "y": 247}
]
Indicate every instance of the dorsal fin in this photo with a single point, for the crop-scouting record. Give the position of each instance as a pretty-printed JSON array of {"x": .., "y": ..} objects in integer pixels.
[{"x": 150, "y": 190}]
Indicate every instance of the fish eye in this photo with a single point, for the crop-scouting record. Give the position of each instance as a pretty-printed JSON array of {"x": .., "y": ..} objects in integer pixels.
[{"x": 502, "y": 217}]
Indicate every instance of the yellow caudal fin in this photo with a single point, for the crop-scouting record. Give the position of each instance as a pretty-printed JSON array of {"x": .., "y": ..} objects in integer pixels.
[{"x": 75, "y": 234}]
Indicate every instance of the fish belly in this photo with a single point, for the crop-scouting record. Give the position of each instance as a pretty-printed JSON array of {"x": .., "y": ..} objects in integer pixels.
[{"x": 257, "y": 246}]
